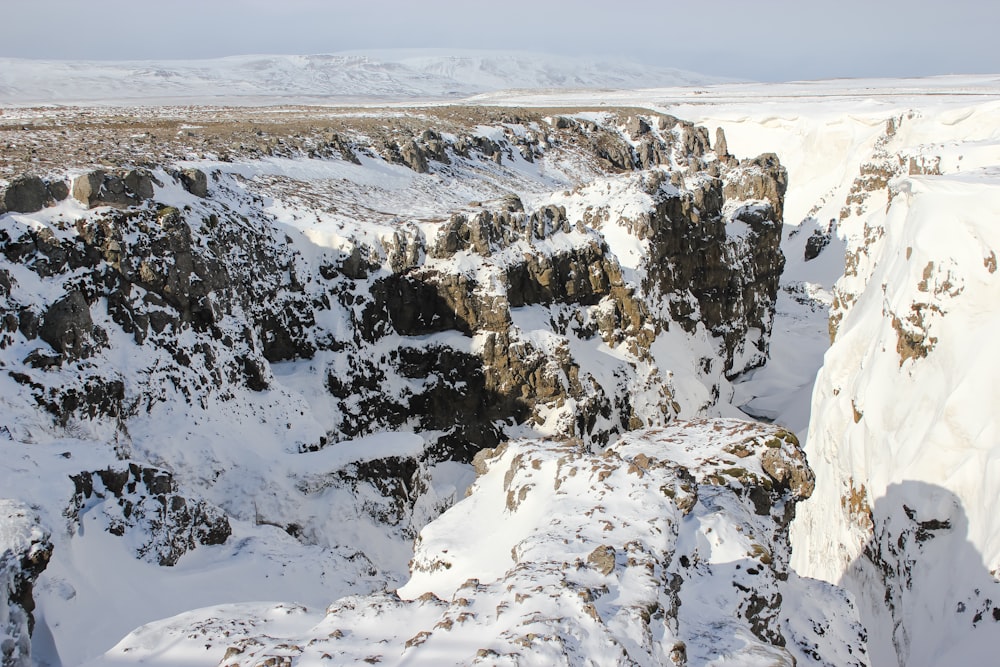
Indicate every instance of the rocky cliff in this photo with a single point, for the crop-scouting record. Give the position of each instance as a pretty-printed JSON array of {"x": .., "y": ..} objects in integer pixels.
[
  {"x": 224, "y": 322},
  {"x": 216, "y": 273}
]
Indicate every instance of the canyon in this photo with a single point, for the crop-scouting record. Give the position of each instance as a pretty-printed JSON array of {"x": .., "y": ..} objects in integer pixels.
[{"x": 476, "y": 383}]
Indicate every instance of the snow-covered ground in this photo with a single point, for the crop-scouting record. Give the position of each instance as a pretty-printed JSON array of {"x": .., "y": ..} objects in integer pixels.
[
  {"x": 904, "y": 445},
  {"x": 657, "y": 551},
  {"x": 373, "y": 76}
]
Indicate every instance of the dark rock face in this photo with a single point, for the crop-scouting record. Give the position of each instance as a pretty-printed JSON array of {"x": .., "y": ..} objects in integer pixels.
[
  {"x": 761, "y": 178},
  {"x": 58, "y": 190},
  {"x": 26, "y": 194},
  {"x": 68, "y": 327},
  {"x": 815, "y": 244},
  {"x": 212, "y": 292},
  {"x": 145, "y": 503},
  {"x": 733, "y": 278},
  {"x": 195, "y": 181},
  {"x": 25, "y": 550},
  {"x": 100, "y": 188},
  {"x": 162, "y": 270},
  {"x": 156, "y": 278}
]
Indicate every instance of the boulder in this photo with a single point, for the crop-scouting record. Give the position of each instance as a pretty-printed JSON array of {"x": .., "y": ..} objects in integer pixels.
[
  {"x": 26, "y": 194},
  {"x": 815, "y": 244},
  {"x": 68, "y": 327},
  {"x": 195, "y": 182},
  {"x": 87, "y": 187},
  {"x": 636, "y": 127},
  {"x": 101, "y": 188},
  {"x": 413, "y": 157},
  {"x": 58, "y": 190}
]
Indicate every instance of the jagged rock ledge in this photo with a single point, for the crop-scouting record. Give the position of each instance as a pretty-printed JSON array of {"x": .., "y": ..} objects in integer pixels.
[{"x": 219, "y": 271}]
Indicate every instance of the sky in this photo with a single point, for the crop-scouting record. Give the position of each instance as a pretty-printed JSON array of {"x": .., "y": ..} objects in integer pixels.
[{"x": 764, "y": 40}]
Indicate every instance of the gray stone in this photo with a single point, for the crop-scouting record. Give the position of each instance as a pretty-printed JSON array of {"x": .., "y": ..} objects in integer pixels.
[
  {"x": 413, "y": 157},
  {"x": 636, "y": 127},
  {"x": 721, "y": 145},
  {"x": 195, "y": 182},
  {"x": 139, "y": 184},
  {"x": 100, "y": 188},
  {"x": 58, "y": 190},
  {"x": 67, "y": 326},
  {"x": 87, "y": 187},
  {"x": 603, "y": 559},
  {"x": 26, "y": 194}
]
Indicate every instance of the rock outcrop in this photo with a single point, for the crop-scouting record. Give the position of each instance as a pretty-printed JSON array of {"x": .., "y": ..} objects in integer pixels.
[
  {"x": 26, "y": 194},
  {"x": 222, "y": 274},
  {"x": 144, "y": 504},
  {"x": 195, "y": 181},
  {"x": 25, "y": 550},
  {"x": 101, "y": 188}
]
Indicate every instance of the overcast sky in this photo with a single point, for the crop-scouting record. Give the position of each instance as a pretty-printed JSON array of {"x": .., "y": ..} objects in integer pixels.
[{"x": 767, "y": 40}]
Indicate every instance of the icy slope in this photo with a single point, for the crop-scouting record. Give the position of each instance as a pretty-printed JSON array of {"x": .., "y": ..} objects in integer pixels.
[
  {"x": 902, "y": 433},
  {"x": 668, "y": 548},
  {"x": 905, "y": 422}
]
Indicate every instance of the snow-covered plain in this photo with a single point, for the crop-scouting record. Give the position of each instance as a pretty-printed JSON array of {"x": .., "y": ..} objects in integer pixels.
[
  {"x": 375, "y": 76},
  {"x": 907, "y": 446}
]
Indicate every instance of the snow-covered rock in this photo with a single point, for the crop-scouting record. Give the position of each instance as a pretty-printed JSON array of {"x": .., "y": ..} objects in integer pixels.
[
  {"x": 902, "y": 430},
  {"x": 511, "y": 247},
  {"x": 669, "y": 547},
  {"x": 25, "y": 550},
  {"x": 141, "y": 504}
]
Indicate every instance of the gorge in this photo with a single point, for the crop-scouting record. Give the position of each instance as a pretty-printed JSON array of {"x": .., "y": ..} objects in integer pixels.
[{"x": 254, "y": 354}]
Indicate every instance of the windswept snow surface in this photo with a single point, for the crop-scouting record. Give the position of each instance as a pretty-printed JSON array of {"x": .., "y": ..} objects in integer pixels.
[{"x": 655, "y": 552}]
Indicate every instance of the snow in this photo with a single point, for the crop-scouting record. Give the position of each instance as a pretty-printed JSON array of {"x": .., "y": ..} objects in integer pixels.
[
  {"x": 339, "y": 77},
  {"x": 929, "y": 420}
]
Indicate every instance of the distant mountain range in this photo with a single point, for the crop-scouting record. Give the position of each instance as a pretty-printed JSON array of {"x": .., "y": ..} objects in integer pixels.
[{"x": 391, "y": 74}]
